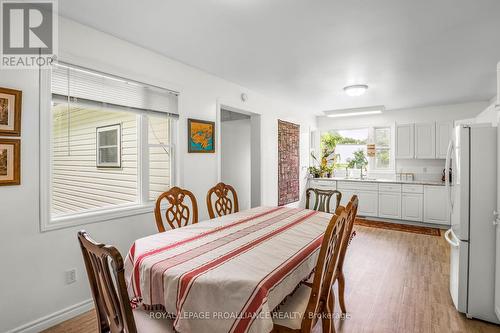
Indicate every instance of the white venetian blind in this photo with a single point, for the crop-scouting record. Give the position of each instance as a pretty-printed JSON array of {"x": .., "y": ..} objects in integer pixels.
[{"x": 87, "y": 86}]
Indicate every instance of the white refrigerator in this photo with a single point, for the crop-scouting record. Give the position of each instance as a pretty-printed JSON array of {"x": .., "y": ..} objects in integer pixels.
[{"x": 472, "y": 197}]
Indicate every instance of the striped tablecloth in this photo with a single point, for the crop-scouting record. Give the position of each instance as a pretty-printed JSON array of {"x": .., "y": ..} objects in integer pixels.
[{"x": 229, "y": 273}]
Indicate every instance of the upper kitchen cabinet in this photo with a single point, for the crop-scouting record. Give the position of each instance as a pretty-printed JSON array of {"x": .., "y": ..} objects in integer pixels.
[
  {"x": 425, "y": 140},
  {"x": 443, "y": 135},
  {"x": 405, "y": 141}
]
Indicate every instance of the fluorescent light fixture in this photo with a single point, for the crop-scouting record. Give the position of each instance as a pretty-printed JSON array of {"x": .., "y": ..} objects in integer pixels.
[
  {"x": 355, "y": 90},
  {"x": 355, "y": 112},
  {"x": 352, "y": 114}
]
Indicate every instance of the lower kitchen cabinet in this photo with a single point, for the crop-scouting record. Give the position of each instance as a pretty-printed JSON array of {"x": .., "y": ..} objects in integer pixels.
[
  {"x": 346, "y": 196},
  {"x": 409, "y": 202},
  {"x": 368, "y": 203},
  {"x": 389, "y": 205},
  {"x": 413, "y": 206},
  {"x": 367, "y": 194},
  {"x": 436, "y": 205}
]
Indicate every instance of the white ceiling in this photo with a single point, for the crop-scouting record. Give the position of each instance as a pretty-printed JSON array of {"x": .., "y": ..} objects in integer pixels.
[{"x": 410, "y": 52}]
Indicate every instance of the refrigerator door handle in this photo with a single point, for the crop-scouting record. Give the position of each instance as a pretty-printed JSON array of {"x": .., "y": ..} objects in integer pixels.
[
  {"x": 496, "y": 221},
  {"x": 447, "y": 174},
  {"x": 447, "y": 236}
]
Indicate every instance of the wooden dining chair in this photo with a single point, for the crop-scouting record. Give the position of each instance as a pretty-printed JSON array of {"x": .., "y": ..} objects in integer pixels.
[
  {"x": 105, "y": 272},
  {"x": 177, "y": 213},
  {"x": 223, "y": 203},
  {"x": 315, "y": 300},
  {"x": 352, "y": 211},
  {"x": 322, "y": 199}
]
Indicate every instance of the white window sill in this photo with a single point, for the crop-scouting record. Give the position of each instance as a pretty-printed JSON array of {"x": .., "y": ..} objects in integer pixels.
[{"x": 97, "y": 216}]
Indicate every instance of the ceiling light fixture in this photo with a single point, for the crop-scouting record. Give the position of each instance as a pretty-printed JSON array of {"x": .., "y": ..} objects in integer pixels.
[
  {"x": 352, "y": 114},
  {"x": 355, "y": 112},
  {"x": 355, "y": 90}
]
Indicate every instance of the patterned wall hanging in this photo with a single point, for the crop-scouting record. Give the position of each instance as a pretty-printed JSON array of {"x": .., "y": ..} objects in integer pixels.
[{"x": 288, "y": 162}]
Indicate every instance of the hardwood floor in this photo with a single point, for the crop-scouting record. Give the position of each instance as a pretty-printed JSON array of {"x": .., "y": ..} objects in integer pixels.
[{"x": 396, "y": 282}]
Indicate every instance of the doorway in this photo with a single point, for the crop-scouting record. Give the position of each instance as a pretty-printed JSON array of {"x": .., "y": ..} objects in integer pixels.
[{"x": 240, "y": 154}]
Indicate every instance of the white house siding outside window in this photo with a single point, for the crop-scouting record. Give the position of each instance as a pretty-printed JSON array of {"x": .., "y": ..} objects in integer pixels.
[{"x": 112, "y": 143}]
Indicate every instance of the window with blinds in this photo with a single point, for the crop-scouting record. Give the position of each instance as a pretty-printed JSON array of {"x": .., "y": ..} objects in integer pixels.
[{"x": 111, "y": 142}]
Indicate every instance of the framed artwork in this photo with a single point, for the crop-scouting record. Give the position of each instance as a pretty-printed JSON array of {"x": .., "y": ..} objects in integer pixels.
[
  {"x": 10, "y": 162},
  {"x": 10, "y": 112},
  {"x": 288, "y": 162},
  {"x": 201, "y": 136}
]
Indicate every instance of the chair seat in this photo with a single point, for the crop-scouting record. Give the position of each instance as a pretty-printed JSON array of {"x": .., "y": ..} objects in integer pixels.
[
  {"x": 291, "y": 313},
  {"x": 146, "y": 323}
]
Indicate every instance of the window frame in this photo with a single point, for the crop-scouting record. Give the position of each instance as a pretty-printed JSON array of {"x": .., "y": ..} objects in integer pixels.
[
  {"x": 371, "y": 139},
  {"x": 118, "y": 146},
  {"x": 391, "y": 147},
  {"x": 142, "y": 205}
]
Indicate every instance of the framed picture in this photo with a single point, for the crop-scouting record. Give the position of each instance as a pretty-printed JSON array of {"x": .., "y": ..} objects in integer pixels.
[
  {"x": 201, "y": 136},
  {"x": 10, "y": 112},
  {"x": 10, "y": 162},
  {"x": 109, "y": 146}
]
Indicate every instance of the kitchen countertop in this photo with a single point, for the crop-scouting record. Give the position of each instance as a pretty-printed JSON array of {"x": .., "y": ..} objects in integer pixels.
[{"x": 391, "y": 181}]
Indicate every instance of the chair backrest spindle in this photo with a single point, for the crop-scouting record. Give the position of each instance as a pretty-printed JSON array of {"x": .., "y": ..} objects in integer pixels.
[
  {"x": 177, "y": 213},
  {"x": 322, "y": 199},
  {"x": 323, "y": 276},
  {"x": 105, "y": 271},
  {"x": 223, "y": 204}
]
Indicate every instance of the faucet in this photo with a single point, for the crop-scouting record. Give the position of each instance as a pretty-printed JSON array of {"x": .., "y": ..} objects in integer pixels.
[{"x": 361, "y": 174}]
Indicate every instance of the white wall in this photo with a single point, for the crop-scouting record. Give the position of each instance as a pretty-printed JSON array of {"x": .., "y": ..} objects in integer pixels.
[
  {"x": 490, "y": 114},
  {"x": 236, "y": 163},
  {"x": 32, "y": 280}
]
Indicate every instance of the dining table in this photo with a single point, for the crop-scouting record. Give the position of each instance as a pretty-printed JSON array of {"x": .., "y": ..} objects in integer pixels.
[{"x": 227, "y": 274}]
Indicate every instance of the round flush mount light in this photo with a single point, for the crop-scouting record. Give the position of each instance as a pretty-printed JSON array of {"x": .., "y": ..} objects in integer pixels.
[{"x": 356, "y": 90}]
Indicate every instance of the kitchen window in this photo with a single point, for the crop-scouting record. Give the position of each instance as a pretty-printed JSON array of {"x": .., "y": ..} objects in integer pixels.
[
  {"x": 383, "y": 151},
  {"x": 111, "y": 143},
  {"x": 351, "y": 147}
]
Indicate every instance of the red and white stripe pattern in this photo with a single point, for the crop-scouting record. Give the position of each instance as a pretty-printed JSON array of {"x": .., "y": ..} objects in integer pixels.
[{"x": 226, "y": 274}]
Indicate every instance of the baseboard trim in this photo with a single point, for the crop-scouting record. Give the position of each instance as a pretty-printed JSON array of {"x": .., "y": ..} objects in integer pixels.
[{"x": 55, "y": 318}]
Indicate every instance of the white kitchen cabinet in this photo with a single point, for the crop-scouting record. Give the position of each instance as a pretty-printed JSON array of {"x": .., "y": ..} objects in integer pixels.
[
  {"x": 425, "y": 140},
  {"x": 346, "y": 196},
  {"x": 324, "y": 184},
  {"x": 405, "y": 141},
  {"x": 367, "y": 194},
  {"x": 389, "y": 205},
  {"x": 409, "y": 202},
  {"x": 443, "y": 136},
  {"x": 412, "y": 206},
  {"x": 368, "y": 203},
  {"x": 435, "y": 205}
]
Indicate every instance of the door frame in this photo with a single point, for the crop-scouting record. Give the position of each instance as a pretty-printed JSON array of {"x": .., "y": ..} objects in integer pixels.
[{"x": 256, "y": 149}]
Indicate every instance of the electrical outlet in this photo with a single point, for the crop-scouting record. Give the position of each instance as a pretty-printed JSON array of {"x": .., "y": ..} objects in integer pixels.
[{"x": 71, "y": 276}]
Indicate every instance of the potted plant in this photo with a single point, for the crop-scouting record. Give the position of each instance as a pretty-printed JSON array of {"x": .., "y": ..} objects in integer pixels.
[
  {"x": 326, "y": 163},
  {"x": 359, "y": 161},
  {"x": 314, "y": 171}
]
